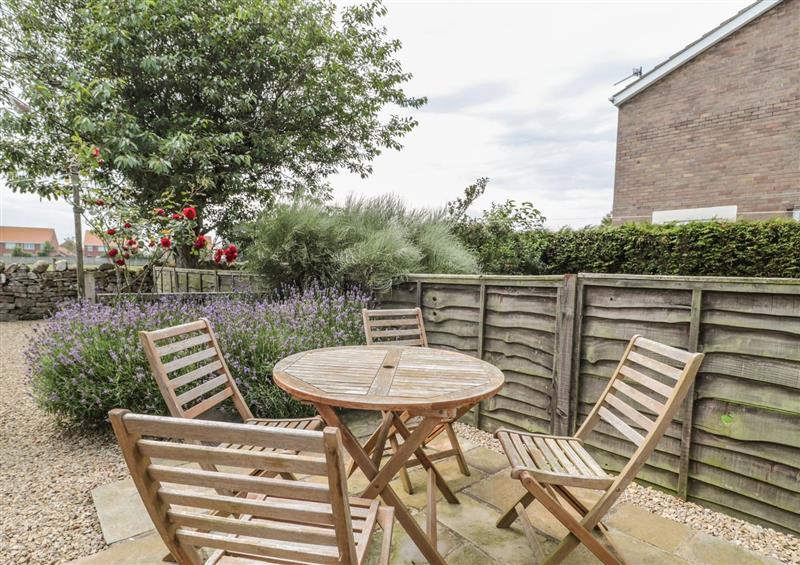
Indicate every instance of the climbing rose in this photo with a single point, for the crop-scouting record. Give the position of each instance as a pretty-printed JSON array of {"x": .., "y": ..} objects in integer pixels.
[
  {"x": 160, "y": 212},
  {"x": 95, "y": 152},
  {"x": 177, "y": 216},
  {"x": 128, "y": 225},
  {"x": 190, "y": 213},
  {"x": 111, "y": 231},
  {"x": 113, "y": 252},
  {"x": 99, "y": 201},
  {"x": 165, "y": 242},
  {"x": 200, "y": 242},
  {"x": 120, "y": 262}
]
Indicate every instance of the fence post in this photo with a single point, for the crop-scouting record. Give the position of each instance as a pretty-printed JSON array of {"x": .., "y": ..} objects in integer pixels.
[
  {"x": 88, "y": 286},
  {"x": 688, "y": 404},
  {"x": 560, "y": 398},
  {"x": 481, "y": 317}
]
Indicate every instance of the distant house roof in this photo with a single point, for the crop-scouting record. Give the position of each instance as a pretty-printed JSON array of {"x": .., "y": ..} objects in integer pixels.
[
  {"x": 13, "y": 234},
  {"x": 692, "y": 50},
  {"x": 90, "y": 238}
]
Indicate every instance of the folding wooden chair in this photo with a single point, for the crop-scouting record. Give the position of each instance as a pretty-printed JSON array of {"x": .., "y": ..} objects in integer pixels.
[
  {"x": 193, "y": 377},
  {"x": 268, "y": 520},
  {"x": 406, "y": 327},
  {"x": 652, "y": 379}
]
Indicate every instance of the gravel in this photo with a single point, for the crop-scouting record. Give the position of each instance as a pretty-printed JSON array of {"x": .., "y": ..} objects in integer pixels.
[
  {"x": 766, "y": 541},
  {"x": 46, "y": 474}
]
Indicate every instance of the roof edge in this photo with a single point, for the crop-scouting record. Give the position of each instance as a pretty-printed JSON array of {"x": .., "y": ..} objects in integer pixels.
[{"x": 694, "y": 49}]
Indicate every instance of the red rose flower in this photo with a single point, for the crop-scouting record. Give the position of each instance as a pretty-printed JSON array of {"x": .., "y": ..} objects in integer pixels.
[
  {"x": 160, "y": 212},
  {"x": 232, "y": 248},
  {"x": 120, "y": 262},
  {"x": 128, "y": 225},
  {"x": 111, "y": 231},
  {"x": 113, "y": 252},
  {"x": 95, "y": 152},
  {"x": 190, "y": 213},
  {"x": 126, "y": 255},
  {"x": 165, "y": 242},
  {"x": 200, "y": 242},
  {"x": 99, "y": 201},
  {"x": 177, "y": 216}
]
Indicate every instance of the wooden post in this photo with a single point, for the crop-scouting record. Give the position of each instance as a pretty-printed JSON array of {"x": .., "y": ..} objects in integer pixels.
[
  {"x": 562, "y": 363},
  {"x": 481, "y": 322},
  {"x": 88, "y": 286},
  {"x": 77, "y": 211},
  {"x": 575, "y": 344},
  {"x": 419, "y": 294},
  {"x": 688, "y": 404}
]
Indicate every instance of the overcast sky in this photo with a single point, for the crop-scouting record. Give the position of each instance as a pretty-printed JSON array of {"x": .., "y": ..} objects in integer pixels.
[{"x": 517, "y": 92}]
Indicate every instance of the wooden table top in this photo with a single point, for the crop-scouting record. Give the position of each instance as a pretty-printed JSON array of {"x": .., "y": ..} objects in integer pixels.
[{"x": 385, "y": 377}]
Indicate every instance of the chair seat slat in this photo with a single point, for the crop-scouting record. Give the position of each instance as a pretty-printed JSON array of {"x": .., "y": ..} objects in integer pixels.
[
  {"x": 195, "y": 374},
  {"x": 394, "y": 333},
  {"x": 202, "y": 389},
  {"x": 390, "y": 322},
  {"x": 679, "y": 355},
  {"x": 208, "y": 403},
  {"x": 187, "y": 360},
  {"x": 646, "y": 381},
  {"x": 638, "y": 396}
]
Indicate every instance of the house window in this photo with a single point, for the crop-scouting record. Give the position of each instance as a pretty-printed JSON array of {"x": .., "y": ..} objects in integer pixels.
[
  {"x": 29, "y": 246},
  {"x": 796, "y": 213},
  {"x": 11, "y": 245},
  {"x": 695, "y": 214}
]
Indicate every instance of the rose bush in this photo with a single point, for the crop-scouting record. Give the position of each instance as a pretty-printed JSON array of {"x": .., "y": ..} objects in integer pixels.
[{"x": 87, "y": 359}]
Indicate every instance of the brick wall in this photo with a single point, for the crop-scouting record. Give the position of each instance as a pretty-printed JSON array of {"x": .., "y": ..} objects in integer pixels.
[{"x": 723, "y": 129}]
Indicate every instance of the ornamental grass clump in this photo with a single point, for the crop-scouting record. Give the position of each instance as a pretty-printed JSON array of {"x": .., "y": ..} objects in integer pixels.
[{"x": 87, "y": 359}]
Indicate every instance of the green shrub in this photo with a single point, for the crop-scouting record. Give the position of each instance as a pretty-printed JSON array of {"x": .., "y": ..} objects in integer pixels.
[
  {"x": 367, "y": 241},
  {"x": 742, "y": 249},
  {"x": 87, "y": 359}
]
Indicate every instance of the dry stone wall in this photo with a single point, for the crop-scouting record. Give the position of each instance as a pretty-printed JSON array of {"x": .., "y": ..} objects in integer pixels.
[{"x": 32, "y": 292}]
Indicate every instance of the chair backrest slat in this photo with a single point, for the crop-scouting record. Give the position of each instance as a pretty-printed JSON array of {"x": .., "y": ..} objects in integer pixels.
[
  {"x": 198, "y": 506},
  {"x": 395, "y": 327},
  {"x": 191, "y": 372},
  {"x": 648, "y": 384}
]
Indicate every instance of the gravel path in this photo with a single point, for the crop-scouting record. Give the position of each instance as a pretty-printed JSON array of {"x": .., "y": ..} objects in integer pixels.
[
  {"x": 766, "y": 541},
  {"x": 46, "y": 475}
]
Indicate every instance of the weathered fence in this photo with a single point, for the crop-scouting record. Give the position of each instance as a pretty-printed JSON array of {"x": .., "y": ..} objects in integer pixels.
[
  {"x": 736, "y": 445},
  {"x": 169, "y": 280}
]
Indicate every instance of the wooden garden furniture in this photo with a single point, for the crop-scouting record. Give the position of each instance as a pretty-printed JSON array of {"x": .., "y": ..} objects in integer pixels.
[
  {"x": 269, "y": 519},
  {"x": 193, "y": 378},
  {"x": 639, "y": 402},
  {"x": 406, "y": 327},
  {"x": 433, "y": 384}
]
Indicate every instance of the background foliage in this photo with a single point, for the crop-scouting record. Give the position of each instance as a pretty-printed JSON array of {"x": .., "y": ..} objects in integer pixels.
[
  {"x": 87, "y": 359},
  {"x": 366, "y": 241}
]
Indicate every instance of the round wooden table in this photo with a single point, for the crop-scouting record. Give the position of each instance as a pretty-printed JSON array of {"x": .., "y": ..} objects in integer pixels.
[{"x": 435, "y": 384}]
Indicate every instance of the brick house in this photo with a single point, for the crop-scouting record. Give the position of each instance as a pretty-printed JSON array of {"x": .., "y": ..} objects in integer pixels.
[
  {"x": 27, "y": 240},
  {"x": 93, "y": 246},
  {"x": 714, "y": 131}
]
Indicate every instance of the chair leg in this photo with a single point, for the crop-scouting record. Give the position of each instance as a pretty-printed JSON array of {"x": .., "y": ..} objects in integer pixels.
[
  {"x": 404, "y": 478},
  {"x": 530, "y": 532},
  {"x": 386, "y": 522},
  {"x": 578, "y": 532},
  {"x": 462, "y": 461},
  {"x": 431, "y": 523},
  {"x": 508, "y": 518}
]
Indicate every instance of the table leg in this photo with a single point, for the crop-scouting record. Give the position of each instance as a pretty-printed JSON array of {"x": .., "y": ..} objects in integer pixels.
[
  {"x": 425, "y": 461},
  {"x": 388, "y": 495}
]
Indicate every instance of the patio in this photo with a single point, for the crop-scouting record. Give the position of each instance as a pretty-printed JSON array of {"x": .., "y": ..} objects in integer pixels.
[{"x": 466, "y": 531}]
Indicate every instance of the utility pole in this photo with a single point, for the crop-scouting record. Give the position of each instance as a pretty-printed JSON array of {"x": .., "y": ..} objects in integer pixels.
[{"x": 77, "y": 210}]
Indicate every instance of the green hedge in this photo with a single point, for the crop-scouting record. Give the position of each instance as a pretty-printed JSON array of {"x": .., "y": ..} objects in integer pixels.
[{"x": 743, "y": 249}]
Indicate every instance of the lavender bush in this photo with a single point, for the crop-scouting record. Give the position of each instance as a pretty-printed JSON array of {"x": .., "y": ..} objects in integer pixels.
[{"x": 87, "y": 359}]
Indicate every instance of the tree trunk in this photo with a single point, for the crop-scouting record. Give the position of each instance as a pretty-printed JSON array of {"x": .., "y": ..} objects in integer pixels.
[{"x": 184, "y": 257}]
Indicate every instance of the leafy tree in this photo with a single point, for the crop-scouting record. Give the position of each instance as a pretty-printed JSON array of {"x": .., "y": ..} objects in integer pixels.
[
  {"x": 69, "y": 244},
  {"x": 224, "y": 105},
  {"x": 46, "y": 250},
  {"x": 506, "y": 237}
]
